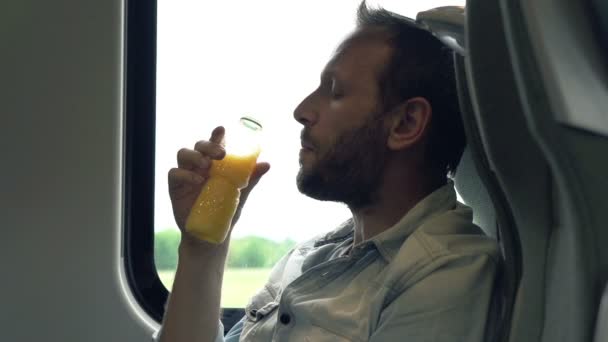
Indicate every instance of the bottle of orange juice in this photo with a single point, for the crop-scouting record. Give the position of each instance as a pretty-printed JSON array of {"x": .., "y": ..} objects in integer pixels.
[{"x": 211, "y": 215}]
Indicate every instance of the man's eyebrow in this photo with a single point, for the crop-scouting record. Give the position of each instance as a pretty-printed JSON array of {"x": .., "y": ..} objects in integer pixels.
[{"x": 327, "y": 74}]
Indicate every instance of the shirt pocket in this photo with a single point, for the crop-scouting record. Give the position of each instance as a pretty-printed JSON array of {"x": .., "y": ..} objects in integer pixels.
[{"x": 261, "y": 304}]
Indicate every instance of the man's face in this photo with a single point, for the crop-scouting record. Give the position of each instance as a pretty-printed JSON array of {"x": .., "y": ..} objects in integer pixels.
[{"x": 344, "y": 137}]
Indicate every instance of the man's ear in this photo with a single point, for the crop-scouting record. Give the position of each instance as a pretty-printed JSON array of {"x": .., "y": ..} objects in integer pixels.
[{"x": 409, "y": 123}]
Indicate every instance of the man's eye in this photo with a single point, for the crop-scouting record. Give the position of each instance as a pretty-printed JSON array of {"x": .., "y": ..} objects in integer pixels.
[{"x": 336, "y": 91}]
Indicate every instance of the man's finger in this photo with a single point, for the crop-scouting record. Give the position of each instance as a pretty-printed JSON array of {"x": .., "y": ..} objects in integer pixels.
[
  {"x": 178, "y": 177},
  {"x": 217, "y": 136},
  {"x": 259, "y": 171},
  {"x": 210, "y": 149},
  {"x": 191, "y": 160}
]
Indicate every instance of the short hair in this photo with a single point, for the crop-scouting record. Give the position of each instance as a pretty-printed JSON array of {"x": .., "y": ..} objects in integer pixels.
[{"x": 421, "y": 65}]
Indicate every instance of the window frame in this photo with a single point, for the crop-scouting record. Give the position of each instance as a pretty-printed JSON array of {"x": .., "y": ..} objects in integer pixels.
[{"x": 139, "y": 163}]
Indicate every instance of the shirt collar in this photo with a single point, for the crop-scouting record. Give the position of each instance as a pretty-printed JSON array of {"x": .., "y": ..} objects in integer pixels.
[
  {"x": 389, "y": 241},
  {"x": 343, "y": 232}
]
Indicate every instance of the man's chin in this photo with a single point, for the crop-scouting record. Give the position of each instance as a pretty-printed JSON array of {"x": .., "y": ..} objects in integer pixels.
[
  {"x": 303, "y": 180},
  {"x": 311, "y": 184}
]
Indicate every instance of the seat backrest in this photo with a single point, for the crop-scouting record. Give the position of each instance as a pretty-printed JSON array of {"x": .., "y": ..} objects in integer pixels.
[
  {"x": 474, "y": 193},
  {"x": 475, "y": 180},
  {"x": 479, "y": 187}
]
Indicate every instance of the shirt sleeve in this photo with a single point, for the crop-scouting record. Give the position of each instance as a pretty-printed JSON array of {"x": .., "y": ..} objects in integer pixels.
[
  {"x": 235, "y": 333},
  {"x": 450, "y": 304}
]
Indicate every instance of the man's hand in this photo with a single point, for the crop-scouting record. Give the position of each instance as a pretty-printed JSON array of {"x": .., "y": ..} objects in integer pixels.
[
  {"x": 192, "y": 172},
  {"x": 193, "y": 310}
]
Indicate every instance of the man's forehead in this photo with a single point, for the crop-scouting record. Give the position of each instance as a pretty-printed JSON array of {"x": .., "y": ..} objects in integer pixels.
[
  {"x": 369, "y": 33},
  {"x": 363, "y": 48}
]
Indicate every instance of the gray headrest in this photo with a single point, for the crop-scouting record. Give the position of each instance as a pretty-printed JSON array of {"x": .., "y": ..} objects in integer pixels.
[{"x": 473, "y": 192}]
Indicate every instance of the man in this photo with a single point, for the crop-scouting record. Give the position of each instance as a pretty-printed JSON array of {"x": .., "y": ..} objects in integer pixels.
[{"x": 381, "y": 134}]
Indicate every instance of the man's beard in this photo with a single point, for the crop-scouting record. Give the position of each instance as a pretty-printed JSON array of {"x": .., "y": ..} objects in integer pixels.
[{"x": 350, "y": 171}]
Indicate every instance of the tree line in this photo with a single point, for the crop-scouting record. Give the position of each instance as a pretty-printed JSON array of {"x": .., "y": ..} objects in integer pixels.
[{"x": 246, "y": 252}]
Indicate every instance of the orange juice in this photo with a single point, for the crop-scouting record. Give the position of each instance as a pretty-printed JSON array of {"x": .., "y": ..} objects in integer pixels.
[{"x": 211, "y": 216}]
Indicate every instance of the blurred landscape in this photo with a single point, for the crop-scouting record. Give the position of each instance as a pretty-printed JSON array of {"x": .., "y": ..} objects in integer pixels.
[{"x": 250, "y": 260}]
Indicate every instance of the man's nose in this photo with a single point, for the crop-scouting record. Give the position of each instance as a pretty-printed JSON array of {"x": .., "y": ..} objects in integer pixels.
[{"x": 306, "y": 112}]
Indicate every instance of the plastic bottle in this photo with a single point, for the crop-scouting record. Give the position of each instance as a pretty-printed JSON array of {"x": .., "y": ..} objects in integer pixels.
[{"x": 211, "y": 215}]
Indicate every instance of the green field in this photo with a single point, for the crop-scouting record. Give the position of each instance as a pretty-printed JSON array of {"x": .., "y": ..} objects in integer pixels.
[{"x": 239, "y": 284}]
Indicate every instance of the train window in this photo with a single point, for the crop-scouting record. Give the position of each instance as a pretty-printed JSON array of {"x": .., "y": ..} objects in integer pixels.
[
  {"x": 194, "y": 65},
  {"x": 214, "y": 73}
]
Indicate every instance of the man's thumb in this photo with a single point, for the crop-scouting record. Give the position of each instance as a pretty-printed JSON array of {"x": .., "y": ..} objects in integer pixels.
[{"x": 259, "y": 171}]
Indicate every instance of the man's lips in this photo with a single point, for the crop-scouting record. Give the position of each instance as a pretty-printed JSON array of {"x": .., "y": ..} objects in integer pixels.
[
  {"x": 306, "y": 141},
  {"x": 307, "y": 146}
]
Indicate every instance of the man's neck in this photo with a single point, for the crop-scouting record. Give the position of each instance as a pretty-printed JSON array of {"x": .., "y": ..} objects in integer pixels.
[{"x": 397, "y": 195}]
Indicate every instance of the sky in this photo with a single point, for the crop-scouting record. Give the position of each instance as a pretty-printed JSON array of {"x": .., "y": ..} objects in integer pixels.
[{"x": 220, "y": 60}]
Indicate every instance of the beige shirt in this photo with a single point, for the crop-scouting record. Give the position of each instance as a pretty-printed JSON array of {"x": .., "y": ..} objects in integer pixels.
[{"x": 429, "y": 278}]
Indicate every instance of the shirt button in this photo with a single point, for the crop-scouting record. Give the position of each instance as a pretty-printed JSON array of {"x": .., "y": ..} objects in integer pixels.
[{"x": 285, "y": 318}]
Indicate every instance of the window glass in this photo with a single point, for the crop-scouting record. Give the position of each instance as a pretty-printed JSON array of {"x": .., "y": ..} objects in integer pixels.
[{"x": 219, "y": 60}]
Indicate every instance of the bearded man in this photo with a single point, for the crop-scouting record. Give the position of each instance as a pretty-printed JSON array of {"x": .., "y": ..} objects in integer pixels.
[{"x": 382, "y": 134}]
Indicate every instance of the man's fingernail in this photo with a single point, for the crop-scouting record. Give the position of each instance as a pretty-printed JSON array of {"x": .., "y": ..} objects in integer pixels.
[{"x": 198, "y": 179}]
